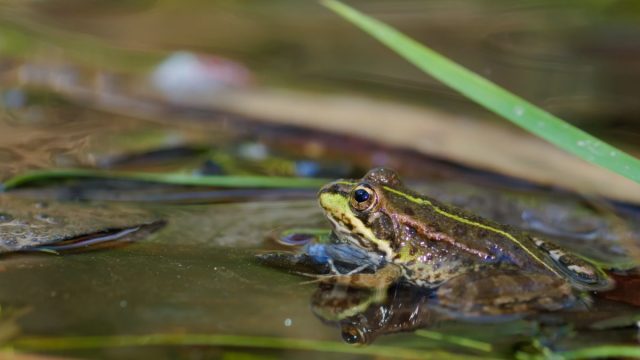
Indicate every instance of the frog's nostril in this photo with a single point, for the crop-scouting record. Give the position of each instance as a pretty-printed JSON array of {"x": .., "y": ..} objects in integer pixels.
[
  {"x": 325, "y": 189},
  {"x": 334, "y": 188},
  {"x": 331, "y": 189}
]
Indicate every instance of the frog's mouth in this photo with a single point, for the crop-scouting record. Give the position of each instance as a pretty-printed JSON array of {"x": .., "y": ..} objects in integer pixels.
[
  {"x": 345, "y": 234},
  {"x": 346, "y": 226}
]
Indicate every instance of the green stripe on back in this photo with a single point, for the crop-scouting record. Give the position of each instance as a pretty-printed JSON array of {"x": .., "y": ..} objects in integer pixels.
[{"x": 471, "y": 223}]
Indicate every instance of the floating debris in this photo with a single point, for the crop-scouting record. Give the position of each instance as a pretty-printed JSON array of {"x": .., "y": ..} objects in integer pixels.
[{"x": 35, "y": 225}]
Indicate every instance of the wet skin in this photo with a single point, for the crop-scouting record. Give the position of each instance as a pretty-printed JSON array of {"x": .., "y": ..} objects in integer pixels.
[{"x": 475, "y": 264}]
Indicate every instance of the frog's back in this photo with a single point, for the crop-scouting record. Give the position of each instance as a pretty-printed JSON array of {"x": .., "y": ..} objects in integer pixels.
[
  {"x": 491, "y": 242},
  {"x": 529, "y": 252}
]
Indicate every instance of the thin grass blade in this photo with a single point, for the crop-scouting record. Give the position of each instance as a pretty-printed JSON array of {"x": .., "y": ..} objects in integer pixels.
[
  {"x": 493, "y": 97},
  {"x": 165, "y": 178}
]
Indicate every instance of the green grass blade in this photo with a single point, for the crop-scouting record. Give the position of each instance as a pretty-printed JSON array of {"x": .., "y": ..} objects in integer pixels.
[
  {"x": 166, "y": 178},
  {"x": 493, "y": 97}
]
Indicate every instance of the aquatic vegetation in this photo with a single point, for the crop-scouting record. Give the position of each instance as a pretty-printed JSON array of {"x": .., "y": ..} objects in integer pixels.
[
  {"x": 247, "y": 342},
  {"x": 165, "y": 178},
  {"x": 93, "y": 342},
  {"x": 493, "y": 97}
]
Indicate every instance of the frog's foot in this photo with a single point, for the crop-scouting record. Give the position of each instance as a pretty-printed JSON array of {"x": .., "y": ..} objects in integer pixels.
[
  {"x": 335, "y": 272},
  {"x": 503, "y": 292},
  {"x": 381, "y": 279},
  {"x": 359, "y": 269},
  {"x": 332, "y": 271},
  {"x": 332, "y": 267}
]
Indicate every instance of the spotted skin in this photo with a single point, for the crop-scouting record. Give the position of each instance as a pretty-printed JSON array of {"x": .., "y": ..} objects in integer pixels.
[
  {"x": 435, "y": 244},
  {"x": 497, "y": 292}
]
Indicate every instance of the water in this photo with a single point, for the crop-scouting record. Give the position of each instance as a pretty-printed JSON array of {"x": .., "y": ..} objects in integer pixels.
[
  {"x": 198, "y": 275},
  {"x": 82, "y": 87}
]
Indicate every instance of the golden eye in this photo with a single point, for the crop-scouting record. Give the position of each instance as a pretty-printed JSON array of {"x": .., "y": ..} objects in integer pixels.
[{"x": 363, "y": 198}]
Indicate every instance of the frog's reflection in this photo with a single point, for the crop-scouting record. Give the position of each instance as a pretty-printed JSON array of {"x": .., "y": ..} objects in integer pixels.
[{"x": 364, "y": 314}]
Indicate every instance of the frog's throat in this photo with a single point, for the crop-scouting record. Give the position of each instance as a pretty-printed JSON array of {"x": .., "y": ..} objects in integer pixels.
[
  {"x": 348, "y": 227},
  {"x": 463, "y": 220}
]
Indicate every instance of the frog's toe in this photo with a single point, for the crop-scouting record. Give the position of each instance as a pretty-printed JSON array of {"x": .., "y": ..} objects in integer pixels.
[
  {"x": 381, "y": 279},
  {"x": 315, "y": 278},
  {"x": 336, "y": 272},
  {"x": 332, "y": 267}
]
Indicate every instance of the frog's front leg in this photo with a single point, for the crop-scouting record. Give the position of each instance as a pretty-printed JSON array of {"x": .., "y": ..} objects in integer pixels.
[{"x": 501, "y": 292}]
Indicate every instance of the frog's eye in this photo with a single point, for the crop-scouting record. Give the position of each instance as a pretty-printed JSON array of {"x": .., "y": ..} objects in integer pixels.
[{"x": 363, "y": 198}]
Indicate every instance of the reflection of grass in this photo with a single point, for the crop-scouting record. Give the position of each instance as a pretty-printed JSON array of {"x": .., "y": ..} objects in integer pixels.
[
  {"x": 603, "y": 351},
  {"x": 166, "y": 178},
  {"x": 491, "y": 96},
  {"x": 275, "y": 343},
  {"x": 8, "y": 326},
  {"x": 458, "y": 340},
  {"x": 95, "y": 342}
]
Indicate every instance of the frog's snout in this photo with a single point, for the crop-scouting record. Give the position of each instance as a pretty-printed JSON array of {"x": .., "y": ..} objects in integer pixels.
[
  {"x": 322, "y": 193},
  {"x": 335, "y": 188},
  {"x": 323, "y": 190},
  {"x": 333, "y": 193}
]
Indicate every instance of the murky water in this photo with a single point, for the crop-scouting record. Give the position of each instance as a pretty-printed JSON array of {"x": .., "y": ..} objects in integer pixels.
[
  {"x": 82, "y": 86},
  {"x": 202, "y": 280}
]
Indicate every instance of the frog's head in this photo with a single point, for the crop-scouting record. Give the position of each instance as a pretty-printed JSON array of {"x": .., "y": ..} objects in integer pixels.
[{"x": 361, "y": 211}]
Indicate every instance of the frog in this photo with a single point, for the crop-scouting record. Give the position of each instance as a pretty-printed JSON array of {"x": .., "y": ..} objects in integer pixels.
[{"x": 473, "y": 264}]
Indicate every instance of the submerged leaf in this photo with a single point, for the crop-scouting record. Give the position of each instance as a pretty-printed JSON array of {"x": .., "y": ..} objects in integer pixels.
[{"x": 35, "y": 225}]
